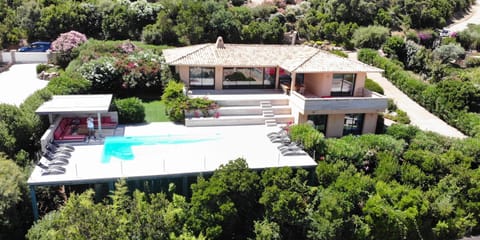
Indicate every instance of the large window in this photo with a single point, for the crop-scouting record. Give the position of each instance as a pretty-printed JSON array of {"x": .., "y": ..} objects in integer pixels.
[
  {"x": 202, "y": 78},
  {"x": 353, "y": 124},
  {"x": 343, "y": 84},
  {"x": 319, "y": 122},
  {"x": 249, "y": 77}
]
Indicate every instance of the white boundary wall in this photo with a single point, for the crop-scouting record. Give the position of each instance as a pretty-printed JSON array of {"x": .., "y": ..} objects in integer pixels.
[{"x": 25, "y": 57}]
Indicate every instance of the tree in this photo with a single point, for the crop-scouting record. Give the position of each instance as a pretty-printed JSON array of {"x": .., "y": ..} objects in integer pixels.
[
  {"x": 285, "y": 197},
  {"x": 394, "y": 47},
  {"x": 225, "y": 206},
  {"x": 370, "y": 37},
  {"x": 395, "y": 211},
  {"x": 15, "y": 215}
]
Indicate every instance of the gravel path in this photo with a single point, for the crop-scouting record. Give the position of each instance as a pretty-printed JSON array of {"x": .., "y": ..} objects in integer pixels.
[
  {"x": 18, "y": 83},
  {"x": 419, "y": 116}
]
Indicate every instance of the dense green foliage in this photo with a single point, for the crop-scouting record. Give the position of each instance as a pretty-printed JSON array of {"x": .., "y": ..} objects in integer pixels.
[
  {"x": 14, "y": 204},
  {"x": 130, "y": 110},
  {"x": 405, "y": 184},
  {"x": 190, "y": 22}
]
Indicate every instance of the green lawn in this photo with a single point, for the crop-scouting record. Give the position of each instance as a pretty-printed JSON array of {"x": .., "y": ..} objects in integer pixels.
[{"x": 155, "y": 111}]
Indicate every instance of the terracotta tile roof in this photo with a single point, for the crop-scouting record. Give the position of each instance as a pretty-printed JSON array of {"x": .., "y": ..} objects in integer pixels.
[{"x": 298, "y": 58}]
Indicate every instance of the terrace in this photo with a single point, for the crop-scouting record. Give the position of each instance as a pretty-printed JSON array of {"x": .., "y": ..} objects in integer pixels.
[{"x": 173, "y": 159}]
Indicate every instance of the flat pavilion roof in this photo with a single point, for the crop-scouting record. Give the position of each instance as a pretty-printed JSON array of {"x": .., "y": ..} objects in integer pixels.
[
  {"x": 64, "y": 104},
  {"x": 156, "y": 161}
]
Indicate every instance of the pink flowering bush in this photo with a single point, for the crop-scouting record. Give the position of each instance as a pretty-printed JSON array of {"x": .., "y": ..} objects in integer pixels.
[
  {"x": 68, "y": 41},
  {"x": 64, "y": 46},
  {"x": 128, "y": 47}
]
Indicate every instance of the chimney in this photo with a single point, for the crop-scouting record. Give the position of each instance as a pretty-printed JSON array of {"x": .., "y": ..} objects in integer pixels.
[{"x": 219, "y": 43}]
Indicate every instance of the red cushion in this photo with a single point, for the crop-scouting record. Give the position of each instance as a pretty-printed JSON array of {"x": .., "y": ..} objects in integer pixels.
[
  {"x": 106, "y": 119},
  {"x": 57, "y": 134},
  {"x": 73, "y": 137}
]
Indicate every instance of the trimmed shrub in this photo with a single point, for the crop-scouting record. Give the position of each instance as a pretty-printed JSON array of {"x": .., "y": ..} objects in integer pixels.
[
  {"x": 175, "y": 101},
  {"x": 42, "y": 67},
  {"x": 130, "y": 110},
  {"x": 373, "y": 86},
  {"x": 311, "y": 139}
]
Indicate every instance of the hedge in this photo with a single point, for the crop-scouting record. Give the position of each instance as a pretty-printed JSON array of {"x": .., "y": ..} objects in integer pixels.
[{"x": 432, "y": 97}]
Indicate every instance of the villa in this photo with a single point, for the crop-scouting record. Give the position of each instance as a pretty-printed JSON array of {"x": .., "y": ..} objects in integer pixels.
[{"x": 245, "y": 80}]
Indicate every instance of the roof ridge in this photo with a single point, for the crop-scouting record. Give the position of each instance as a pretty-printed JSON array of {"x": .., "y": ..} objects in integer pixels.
[
  {"x": 306, "y": 60},
  {"x": 192, "y": 52}
]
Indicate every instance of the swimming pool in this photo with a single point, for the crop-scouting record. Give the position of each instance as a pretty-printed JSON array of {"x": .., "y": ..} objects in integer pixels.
[{"x": 121, "y": 147}]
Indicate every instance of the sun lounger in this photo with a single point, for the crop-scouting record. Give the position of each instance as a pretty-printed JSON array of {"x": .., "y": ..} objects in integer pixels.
[
  {"x": 279, "y": 133},
  {"x": 52, "y": 171},
  {"x": 294, "y": 153},
  {"x": 53, "y": 148},
  {"x": 54, "y": 161},
  {"x": 51, "y": 157},
  {"x": 293, "y": 148},
  {"x": 281, "y": 140},
  {"x": 62, "y": 145},
  {"x": 291, "y": 144},
  {"x": 59, "y": 153},
  {"x": 46, "y": 167}
]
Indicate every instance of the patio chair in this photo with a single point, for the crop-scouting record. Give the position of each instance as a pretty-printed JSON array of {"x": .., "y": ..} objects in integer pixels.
[{"x": 54, "y": 161}]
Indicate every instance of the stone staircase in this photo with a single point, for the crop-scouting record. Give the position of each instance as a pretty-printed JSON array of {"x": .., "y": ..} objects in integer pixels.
[{"x": 252, "y": 110}]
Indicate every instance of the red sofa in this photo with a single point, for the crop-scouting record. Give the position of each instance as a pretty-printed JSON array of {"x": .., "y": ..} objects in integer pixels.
[{"x": 64, "y": 132}]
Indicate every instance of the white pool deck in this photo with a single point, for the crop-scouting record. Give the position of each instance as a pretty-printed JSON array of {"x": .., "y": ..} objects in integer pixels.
[{"x": 163, "y": 160}]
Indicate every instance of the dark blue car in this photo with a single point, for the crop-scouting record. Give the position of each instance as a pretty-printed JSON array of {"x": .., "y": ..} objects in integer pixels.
[{"x": 36, "y": 47}]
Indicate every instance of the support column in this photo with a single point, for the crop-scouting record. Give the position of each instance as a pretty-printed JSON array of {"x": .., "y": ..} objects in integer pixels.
[
  {"x": 293, "y": 75},
  {"x": 50, "y": 118},
  {"x": 111, "y": 186},
  {"x": 33, "y": 197},
  {"x": 277, "y": 77},
  {"x": 13, "y": 58},
  {"x": 99, "y": 117}
]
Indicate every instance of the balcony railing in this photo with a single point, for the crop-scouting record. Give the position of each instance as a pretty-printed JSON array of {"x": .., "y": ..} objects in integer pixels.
[{"x": 370, "y": 102}]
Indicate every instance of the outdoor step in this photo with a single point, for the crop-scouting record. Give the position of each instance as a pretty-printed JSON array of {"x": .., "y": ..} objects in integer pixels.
[
  {"x": 252, "y": 110},
  {"x": 236, "y": 120}
]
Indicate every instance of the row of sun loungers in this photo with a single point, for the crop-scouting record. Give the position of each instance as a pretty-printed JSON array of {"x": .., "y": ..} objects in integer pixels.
[
  {"x": 287, "y": 147},
  {"x": 55, "y": 159}
]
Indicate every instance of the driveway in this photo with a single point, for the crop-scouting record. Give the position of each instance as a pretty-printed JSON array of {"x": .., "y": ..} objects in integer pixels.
[
  {"x": 472, "y": 17},
  {"x": 18, "y": 83},
  {"x": 419, "y": 116}
]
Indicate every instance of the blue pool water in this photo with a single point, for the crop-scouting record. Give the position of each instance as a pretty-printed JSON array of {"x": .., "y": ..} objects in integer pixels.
[{"x": 121, "y": 147}]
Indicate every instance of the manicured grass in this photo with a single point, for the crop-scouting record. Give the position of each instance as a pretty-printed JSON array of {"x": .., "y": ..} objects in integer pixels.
[{"x": 155, "y": 111}]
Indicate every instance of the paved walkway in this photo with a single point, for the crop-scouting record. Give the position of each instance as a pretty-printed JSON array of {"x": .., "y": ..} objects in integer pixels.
[
  {"x": 19, "y": 82},
  {"x": 472, "y": 17},
  {"x": 419, "y": 116}
]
